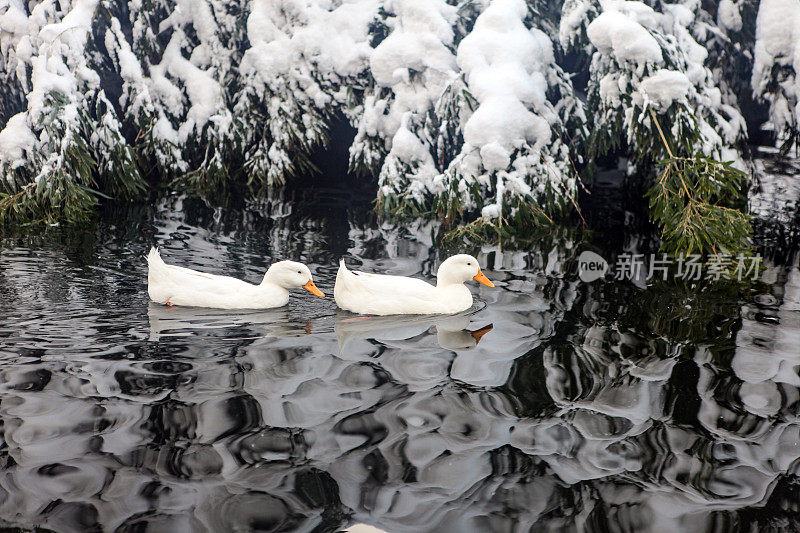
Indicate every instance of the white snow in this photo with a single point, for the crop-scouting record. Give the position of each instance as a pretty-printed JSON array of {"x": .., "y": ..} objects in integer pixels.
[
  {"x": 204, "y": 92},
  {"x": 627, "y": 71},
  {"x": 417, "y": 43},
  {"x": 14, "y": 20},
  {"x": 638, "y": 11},
  {"x": 16, "y": 139},
  {"x": 303, "y": 58},
  {"x": 408, "y": 148},
  {"x": 495, "y": 157},
  {"x": 49, "y": 60},
  {"x": 504, "y": 63},
  {"x": 136, "y": 96},
  {"x": 509, "y": 142},
  {"x": 778, "y": 44},
  {"x": 616, "y": 34},
  {"x": 573, "y": 14},
  {"x": 665, "y": 87},
  {"x": 610, "y": 89},
  {"x": 728, "y": 16},
  {"x": 15, "y": 41},
  {"x": 414, "y": 64},
  {"x": 337, "y": 40},
  {"x": 441, "y": 105},
  {"x": 490, "y": 211},
  {"x": 50, "y": 71}
]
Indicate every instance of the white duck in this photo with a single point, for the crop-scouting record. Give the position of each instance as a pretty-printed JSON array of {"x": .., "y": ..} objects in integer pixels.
[
  {"x": 376, "y": 294},
  {"x": 174, "y": 285}
]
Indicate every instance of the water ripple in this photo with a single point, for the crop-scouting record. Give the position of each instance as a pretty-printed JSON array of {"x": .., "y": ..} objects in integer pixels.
[{"x": 550, "y": 404}]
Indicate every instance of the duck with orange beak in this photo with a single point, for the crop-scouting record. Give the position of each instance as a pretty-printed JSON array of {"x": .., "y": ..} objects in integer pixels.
[
  {"x": 174, "y": 285},
  {"x": 377, "y": 294}
]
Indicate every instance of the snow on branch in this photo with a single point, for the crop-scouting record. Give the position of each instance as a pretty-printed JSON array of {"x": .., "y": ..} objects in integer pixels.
[
  {"x": 464, "y": 108},
  {"x": 643, "y": 58},
  {"x": 776, "y": 70},
  {"x": 512, "y": 153}
]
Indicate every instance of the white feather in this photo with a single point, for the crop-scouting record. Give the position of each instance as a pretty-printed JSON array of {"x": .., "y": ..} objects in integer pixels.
[{"x": 377, "y": 294}]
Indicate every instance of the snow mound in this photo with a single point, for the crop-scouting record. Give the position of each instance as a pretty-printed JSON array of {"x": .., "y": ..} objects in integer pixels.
[
  {"x": 16, "y": 140},
  {"x": 616, "y": 34},
  {"x": 665, "y": 87},
  {"x": 777, "y": 47},
  {"x": 728, "y": 16}
]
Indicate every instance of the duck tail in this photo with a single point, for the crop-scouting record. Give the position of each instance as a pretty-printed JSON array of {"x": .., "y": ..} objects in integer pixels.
[
  {"x": 344, "y": 278},
  {"x": 157, "y": 276},
  {"x": 153, "y": 256},
  {"x": 344, "y": 272},
  {"x": 156, "y": 267}
]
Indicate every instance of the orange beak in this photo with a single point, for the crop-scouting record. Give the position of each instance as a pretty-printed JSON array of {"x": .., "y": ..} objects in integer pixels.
[
  {"x": 482, "y": 279},
  {"x": 477, "y": 334},
  {"x": 310, "y": 287}
]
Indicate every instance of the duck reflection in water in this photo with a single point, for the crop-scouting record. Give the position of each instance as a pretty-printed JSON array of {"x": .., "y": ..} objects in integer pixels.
[
  {"x": 188, "y": 321},
  {"x": 408, "y": 331}
]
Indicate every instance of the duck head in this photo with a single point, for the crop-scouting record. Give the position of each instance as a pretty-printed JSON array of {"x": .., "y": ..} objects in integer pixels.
[
  {"x": 292, "y": 275},
  {"x": 459, "y": 269}
]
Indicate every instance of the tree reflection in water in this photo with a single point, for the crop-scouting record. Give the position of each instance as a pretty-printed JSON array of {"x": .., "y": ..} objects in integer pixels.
[{"x": 586, "y": 407}]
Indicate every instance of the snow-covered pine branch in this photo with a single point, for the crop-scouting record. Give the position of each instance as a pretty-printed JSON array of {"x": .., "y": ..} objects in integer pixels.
[
  {"x": 776, "y": 72},
  {"x": 305, "y": 61},
  {"x": 462, "y": 107},
  {"x": 644, "y": 58},
  {"x": 467, "y": 121},
  {"x": 513, "y": 155},
  {"x": 65, "y": 140}
]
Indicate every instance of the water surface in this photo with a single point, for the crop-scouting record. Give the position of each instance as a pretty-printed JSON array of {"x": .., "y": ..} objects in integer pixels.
[{"x": 604, "y": 406}]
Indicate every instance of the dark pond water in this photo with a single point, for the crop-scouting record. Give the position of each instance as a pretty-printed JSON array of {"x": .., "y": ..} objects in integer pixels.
[{"x": 598, "y": 406}]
